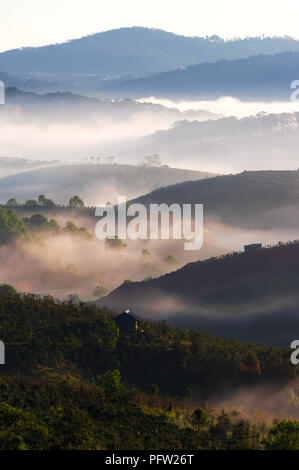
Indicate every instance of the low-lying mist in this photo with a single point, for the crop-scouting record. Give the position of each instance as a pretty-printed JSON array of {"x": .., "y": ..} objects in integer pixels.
[
  {"x": 227, "y": 106},
  {"x": 62, "y": 264},
  {"x": 57, "y": 264},
  {"x": 222, "y": 136},
  {"x": 71, "y": 127},
  {"x": 263, "y": 403}
]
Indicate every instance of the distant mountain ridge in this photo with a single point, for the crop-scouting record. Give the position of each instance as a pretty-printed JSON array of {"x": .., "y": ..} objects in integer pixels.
[
  {"x": 258, "y": 77},
  {"x": 135, "y": 51}
]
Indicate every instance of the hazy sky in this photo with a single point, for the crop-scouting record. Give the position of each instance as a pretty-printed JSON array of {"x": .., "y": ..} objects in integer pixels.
[{"x": 39, "y": 22}]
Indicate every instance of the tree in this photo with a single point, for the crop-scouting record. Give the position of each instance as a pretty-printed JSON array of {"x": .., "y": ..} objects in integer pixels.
[
  {"x": 7, "y": 290},
  {"x": 244, "y": 437},
  {"x": 145, "y": 256},
  {"x": 12, "y": 203},
  {"x": 70, "y": 227},
  {"x": 152, "y": 160},
  {"x": 43, "y": 201},
  {"x": 171, "y": 261},
  {"x": 76, "y": 202},
  {"x": 38, "y": 222},
  {"x": 200, "y": 418},
  {"x": 31, "y": 203},
  {"x": 284, "y": 435},
  {"x": 12, "y": 227},
  {"x": 111, "y": 381},
  {"x": 115, "y": 243},
  {"x": 221, "y": 429},
  {"x": 82, "y": 232},
  {"x": 54, "y": 226}
]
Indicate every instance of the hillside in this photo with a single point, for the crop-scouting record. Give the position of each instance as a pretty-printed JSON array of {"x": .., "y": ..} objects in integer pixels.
[
  {"x": 250, "y": 296},
  {"x": 260, "y": 77},
  {"x": 95, "y": 182},
  {"x": 10, "y": 166},
  {"x": 71, "y": 381},
  {"x": 134, "y": 51},
  {"x": 251, "y": 199}
]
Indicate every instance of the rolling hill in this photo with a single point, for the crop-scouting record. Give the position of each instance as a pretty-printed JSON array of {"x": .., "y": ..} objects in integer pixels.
[
  {"x": 250, "y": 296},
  {"x": 252, "y": 199},
  {"x": 94, "y": 182}
]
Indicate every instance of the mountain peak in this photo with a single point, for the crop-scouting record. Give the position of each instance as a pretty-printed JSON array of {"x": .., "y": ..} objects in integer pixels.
[{"x": 135, "y": 51}]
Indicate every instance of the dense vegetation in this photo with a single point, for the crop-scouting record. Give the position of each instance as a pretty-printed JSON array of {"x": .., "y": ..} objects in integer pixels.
[
  {"x": 13, "y": 227},
  {"x": 72, "y": 381},
  {"x": 63, "y": 414}
]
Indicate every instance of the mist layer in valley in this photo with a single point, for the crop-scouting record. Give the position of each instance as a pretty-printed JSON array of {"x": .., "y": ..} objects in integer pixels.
[
  {"x": 59, "y": 258},
  {"x": 221, "y": 136},
  {"x": 71, "y": 127}
]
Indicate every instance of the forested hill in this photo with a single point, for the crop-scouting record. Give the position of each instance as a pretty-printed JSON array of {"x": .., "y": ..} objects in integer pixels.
[
  {"x": 251, "y": 296},
  {"x": 44, "y": 334},
  {"x": 247, "y": 199},
  {"x": 70, "y": 381}
]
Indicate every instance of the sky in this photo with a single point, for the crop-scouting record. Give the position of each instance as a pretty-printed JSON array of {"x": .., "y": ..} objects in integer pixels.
[{"x": 36, "y": 22}]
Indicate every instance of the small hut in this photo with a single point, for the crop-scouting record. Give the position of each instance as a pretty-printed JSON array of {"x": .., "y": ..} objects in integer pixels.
[{"x": 128, "y": 322}]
